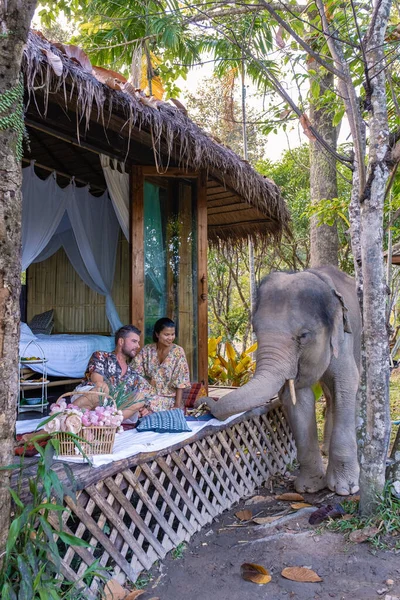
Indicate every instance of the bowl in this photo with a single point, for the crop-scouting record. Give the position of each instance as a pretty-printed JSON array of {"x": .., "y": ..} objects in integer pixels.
[{"x": 33, "y": 401}]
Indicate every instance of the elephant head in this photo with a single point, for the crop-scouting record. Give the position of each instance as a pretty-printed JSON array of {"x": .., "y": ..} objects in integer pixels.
[{"x": 300, "y": 322}]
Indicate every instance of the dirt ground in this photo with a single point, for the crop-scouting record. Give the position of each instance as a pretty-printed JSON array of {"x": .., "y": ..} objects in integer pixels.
[{"x": 209, "y": 565}]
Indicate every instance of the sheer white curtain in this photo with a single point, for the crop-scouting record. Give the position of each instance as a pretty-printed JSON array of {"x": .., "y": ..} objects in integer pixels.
[
  {"x": 43, "y": 206},
  {"x": 84, "y": 224},
  {"x": 118, "y": 188},
  {"x": 91, "y": 245}
]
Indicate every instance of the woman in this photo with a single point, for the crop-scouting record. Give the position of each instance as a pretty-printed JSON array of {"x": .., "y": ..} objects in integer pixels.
[{"x": 165, "y": 367}]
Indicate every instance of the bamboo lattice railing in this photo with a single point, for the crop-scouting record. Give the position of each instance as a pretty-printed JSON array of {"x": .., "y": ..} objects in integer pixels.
[{"x": 139, "y": 510}]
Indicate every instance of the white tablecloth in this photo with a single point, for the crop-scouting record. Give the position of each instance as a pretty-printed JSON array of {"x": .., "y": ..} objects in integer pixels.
[{"x": 129, "y": 443}]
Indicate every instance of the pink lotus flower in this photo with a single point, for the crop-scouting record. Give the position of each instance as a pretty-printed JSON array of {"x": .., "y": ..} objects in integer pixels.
[{"x": 86, "y": 420}]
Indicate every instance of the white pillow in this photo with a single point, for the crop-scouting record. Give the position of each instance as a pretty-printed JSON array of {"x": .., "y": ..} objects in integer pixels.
[{"x": 27, "y": 333}]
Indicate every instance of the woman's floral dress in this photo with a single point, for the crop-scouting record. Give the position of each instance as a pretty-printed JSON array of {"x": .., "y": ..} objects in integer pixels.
[{"x": 165, "y": 378}]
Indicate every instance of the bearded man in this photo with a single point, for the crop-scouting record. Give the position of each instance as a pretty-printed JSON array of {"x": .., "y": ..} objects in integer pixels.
[{"x": 114, "y": 369}]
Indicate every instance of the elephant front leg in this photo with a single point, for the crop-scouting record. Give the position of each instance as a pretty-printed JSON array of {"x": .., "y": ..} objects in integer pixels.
[{"x": 303, "y": 424}]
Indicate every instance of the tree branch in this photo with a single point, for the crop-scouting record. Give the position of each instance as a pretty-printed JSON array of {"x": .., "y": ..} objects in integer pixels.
[
  {"x": 317, "y": 57},
  {"x": 349, "y": 96}
]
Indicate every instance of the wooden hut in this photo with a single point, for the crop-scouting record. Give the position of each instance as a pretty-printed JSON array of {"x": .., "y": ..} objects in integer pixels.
[{"x": 203, "y": 192}]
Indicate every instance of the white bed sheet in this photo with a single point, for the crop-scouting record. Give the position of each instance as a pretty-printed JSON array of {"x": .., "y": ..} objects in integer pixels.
[{"x": 67, "y": 355}]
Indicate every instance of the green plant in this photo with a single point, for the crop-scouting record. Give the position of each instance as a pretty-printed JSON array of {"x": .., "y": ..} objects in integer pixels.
[
  {"x": 177, "y": 552},
  {"x": 235, "y": 370},
  {"x": 12, "y": 114},
  {"x": 142, "y": 581},
  {"x": 123, "y": 397},
  {"x": 32, "y": 558},
  {"x": 386, "y": 519}
]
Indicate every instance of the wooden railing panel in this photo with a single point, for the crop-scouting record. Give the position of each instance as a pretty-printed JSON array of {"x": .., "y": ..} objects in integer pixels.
[{"x": 134, "y": 515}]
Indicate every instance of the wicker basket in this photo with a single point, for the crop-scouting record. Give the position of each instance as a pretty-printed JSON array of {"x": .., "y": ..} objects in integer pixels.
[{"x": 100, "y": 440}]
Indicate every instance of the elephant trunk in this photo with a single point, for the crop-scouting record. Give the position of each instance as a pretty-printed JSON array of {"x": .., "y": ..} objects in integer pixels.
[
  {"x": 276, "y": 364},
  {"x": 255, "y": 393}
]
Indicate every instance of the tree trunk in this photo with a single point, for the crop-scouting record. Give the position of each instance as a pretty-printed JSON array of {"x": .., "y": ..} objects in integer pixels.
[
  {"x": 377, "y": 427},
  {"x": 323, "y": 182},
  {"x": 15, "y": 19}
]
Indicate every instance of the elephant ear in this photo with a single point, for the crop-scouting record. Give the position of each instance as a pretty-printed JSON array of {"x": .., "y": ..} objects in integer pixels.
[{"x": 341, "y": 322}]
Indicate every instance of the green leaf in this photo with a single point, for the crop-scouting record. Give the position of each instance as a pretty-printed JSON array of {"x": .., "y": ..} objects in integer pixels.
[
  {"x": 315, "y": 88},
  {"x": 16, "y": 498},
  {"x": 57, "y": 486},
  {"x": 72, "y": 540},
  {"x": 53, "y": 546},
  {"x": 48, "y": 506},
  {"x": 38, "y": 577},
  {"x": 48, "y": 456},
  {"x": 7, "y": 593},
  {"x": 338, "y": 116},
  {"x": 26, "y": 586},
  {"x": 12, "y": 467},
  {"x": 15, "y": 528}
]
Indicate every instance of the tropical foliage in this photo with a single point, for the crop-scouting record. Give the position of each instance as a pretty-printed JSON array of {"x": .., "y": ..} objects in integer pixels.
[
  {"x": 235, "y": 370},
  {"x": 32, "y": 560}
]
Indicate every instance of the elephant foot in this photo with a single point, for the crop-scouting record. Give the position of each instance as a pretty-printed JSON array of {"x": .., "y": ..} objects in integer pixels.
[
  {"x": 343, "y": 479},
  {"x": 310, "y": 482}
]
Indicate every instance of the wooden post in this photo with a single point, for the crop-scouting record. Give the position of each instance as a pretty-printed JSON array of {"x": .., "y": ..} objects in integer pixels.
[
  {"x": 186, "y": 281},
  {"x": 137, "y": 249},
  {"x": 202, "y": 244}
]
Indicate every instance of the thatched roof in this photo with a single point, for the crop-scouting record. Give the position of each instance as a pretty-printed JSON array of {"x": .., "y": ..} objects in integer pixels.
[{"x": 240, "y": 200}]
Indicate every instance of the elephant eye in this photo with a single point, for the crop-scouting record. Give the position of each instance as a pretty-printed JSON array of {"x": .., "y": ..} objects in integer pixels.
[{"x": 304, "y": 336}]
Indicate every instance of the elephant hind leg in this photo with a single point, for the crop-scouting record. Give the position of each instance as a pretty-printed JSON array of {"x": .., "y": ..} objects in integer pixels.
[{"x": 343, "y": 469}]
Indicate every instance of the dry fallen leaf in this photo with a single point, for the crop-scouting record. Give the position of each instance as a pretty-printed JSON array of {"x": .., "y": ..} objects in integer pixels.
[
  {"x": 263, "y": 520},
  {"x": 114, "y": 590},
  {"x": 354, "y": 498},
  {"x": 301, "y": 574},
  {"x": 361, "y": 535},
  {"x": 256, "y": 499},
  {"x": 291, "y": 497},
  {"x": 244, "y": 515},
  {"x": 110, "y": 78},
  {"x": 279, "y": 38},
  {"x": 299, "y": 505},
  {"x": 54, "y": 61},
  {"x": 133, "y": 595},
  {"x": 179, "y": 105},
  {"x": 77, "y": 54},
  {"x": 306, "y": 125},
  {"x": 255, "y": 573}
]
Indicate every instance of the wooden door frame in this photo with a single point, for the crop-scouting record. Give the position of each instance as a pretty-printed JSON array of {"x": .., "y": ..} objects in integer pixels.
[{"x": 137, "y": 287}]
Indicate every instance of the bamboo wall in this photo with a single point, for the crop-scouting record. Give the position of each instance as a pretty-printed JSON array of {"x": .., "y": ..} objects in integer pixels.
[{"x": 55, "y": 284}]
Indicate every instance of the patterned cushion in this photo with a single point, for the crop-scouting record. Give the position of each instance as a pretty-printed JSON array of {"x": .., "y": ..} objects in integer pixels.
[
  {"x": 164, "y": 421},
  {"x": 42, "y": 323},
  {"x": 191, "y": 394}
]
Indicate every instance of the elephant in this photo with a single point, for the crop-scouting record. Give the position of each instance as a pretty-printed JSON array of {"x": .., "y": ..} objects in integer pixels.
[{"x": 308, "y": 328}]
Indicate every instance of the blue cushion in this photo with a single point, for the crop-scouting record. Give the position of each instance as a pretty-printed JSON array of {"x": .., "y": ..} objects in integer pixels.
[
  {"x": 42, "y": 323},
  {"x": 164, "y": 421}
]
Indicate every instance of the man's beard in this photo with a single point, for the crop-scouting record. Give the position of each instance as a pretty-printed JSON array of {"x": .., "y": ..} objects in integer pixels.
[{"x": 129, "y": 355}]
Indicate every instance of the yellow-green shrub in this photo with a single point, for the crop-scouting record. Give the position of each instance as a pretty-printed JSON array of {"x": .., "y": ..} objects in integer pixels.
[{"x": 235, "y": 370}]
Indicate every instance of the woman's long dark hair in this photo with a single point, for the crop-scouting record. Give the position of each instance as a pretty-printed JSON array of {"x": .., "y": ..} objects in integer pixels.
[{"x": 161, "y": 324}]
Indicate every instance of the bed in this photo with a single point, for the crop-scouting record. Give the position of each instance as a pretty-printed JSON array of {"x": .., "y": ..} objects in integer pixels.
[{"x": 67, "y": 355}]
